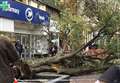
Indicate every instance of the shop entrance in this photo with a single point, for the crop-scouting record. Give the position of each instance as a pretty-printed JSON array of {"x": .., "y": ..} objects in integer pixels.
[
  {"x": 33, "y": 44},
  {"x": 25, "y": 41}
]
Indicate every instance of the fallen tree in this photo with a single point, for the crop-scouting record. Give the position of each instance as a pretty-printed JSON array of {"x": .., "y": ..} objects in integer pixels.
[
  {"x": 108, "y": 19},
  {"x": 60, "y": 57},
  {"x": 64, "y": 62},
  {"x": 68, "y": 68}
]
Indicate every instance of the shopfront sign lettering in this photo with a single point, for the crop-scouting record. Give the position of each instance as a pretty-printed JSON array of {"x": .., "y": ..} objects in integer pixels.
[
  {"x": 5, "y": 6},
  {"x": 18, "y": 11},
  {"x": 41, "y": 17}
]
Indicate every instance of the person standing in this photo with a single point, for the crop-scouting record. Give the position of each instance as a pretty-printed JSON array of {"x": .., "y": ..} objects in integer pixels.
[
  {"x": 19, "y": 47},
  {"x": 55, "y": 49}
]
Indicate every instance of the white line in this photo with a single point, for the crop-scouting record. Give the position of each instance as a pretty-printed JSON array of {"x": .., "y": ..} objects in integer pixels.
[{"x": 58, "y": 79}]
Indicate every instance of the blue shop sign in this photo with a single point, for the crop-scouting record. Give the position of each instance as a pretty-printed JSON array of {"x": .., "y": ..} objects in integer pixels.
[{"x": 18, "y": 11}]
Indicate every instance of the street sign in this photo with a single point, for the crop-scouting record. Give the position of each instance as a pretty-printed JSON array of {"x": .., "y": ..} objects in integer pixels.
[{"x": 18, "y": 11}]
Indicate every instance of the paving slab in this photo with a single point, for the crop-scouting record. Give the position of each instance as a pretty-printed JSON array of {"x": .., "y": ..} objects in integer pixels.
[{"x": 84, "y": 79}]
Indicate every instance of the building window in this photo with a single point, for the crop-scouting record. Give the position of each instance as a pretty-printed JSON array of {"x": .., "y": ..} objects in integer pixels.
[
  {"x": 19, "y": 0},
  {"x": 33, "y": 4},
  {"x": 62, "y": 1},
  {"x": 23, "y": 1},
  {"x": 42, "y": 7}
]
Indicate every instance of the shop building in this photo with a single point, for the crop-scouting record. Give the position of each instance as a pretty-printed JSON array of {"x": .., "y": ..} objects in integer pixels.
[{"x": 22, "y": 22}]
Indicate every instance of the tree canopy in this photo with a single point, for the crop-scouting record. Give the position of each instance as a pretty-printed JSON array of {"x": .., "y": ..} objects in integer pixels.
[{"x": 97, "y": 14}]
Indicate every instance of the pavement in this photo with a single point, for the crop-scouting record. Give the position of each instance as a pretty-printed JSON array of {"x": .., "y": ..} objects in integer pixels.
[
  {"x": 47, "y": 77},
  {"x": 84, "y": 78},
  {"x": 50, "y": 77}
]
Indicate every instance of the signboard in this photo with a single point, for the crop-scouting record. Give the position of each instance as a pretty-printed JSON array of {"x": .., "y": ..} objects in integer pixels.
[{"x": 18, "y": 11}]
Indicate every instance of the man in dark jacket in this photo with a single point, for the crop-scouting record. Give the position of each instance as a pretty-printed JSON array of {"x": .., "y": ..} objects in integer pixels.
[{"x": 19, "y": 47}]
